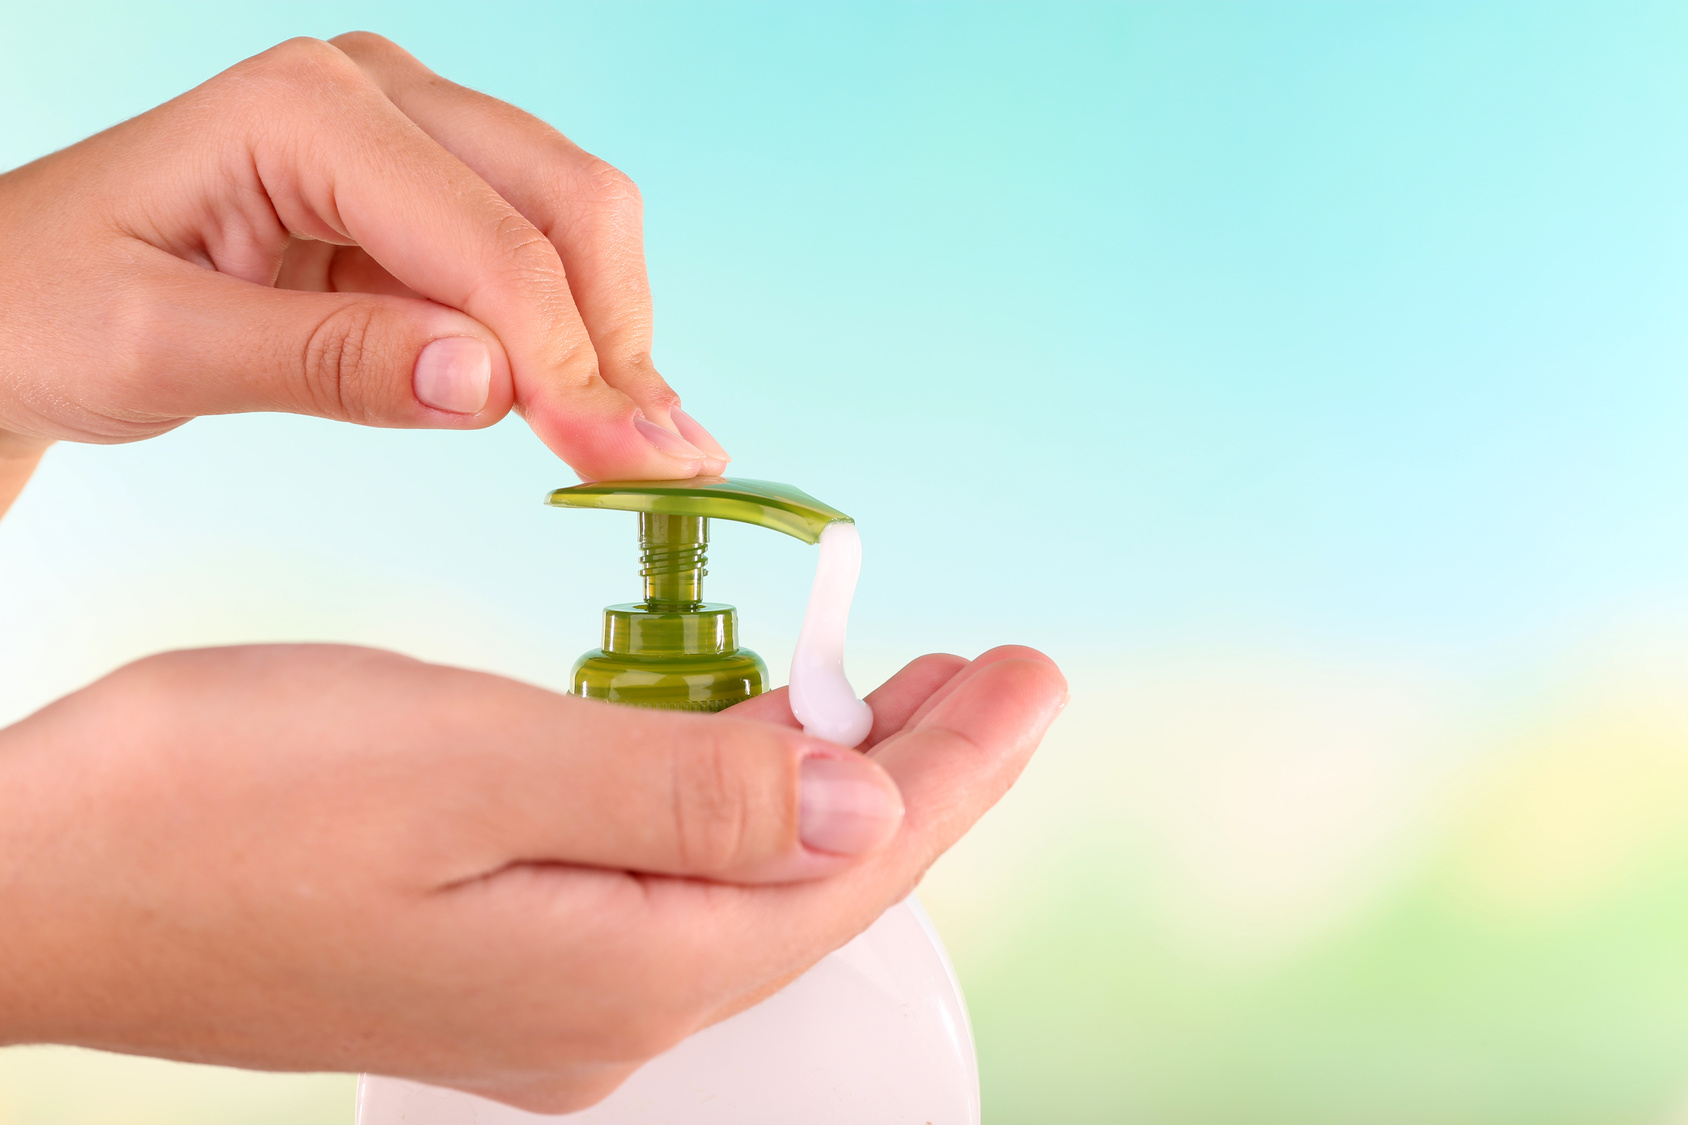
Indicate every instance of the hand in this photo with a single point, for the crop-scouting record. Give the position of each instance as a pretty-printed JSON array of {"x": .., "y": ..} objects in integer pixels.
[
  {"x": 314, "y": 857},
  {"x": 332, "y": 229}
]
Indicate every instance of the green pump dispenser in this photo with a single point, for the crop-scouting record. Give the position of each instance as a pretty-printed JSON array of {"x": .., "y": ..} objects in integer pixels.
[{"x": 675, "y": 650}]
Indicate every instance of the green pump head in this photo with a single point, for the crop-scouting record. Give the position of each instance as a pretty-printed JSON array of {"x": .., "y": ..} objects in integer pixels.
[{"x": 675, "y": 650}]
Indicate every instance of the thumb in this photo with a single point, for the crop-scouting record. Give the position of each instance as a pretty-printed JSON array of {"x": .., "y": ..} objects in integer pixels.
[
  {"x": 557, "y": 779},
  {"x": 220, "y": 345}
]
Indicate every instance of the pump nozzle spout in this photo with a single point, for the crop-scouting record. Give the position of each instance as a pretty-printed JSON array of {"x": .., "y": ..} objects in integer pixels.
[{"x": 778, "y": 507}]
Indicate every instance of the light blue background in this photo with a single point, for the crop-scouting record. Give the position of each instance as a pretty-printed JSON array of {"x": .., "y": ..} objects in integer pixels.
[{"x": 1328, "y": 342}]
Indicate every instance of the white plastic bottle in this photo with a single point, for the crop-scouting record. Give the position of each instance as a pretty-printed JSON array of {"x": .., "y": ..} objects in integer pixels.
[{"x": 876, "y": 1032}]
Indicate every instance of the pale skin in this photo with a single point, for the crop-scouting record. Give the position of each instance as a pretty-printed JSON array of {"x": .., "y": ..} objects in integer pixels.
[{"x": 324, "y": 857}]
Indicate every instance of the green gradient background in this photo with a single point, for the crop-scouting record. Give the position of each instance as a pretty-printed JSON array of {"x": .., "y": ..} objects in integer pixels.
[{"x": 1308, "y": 378}]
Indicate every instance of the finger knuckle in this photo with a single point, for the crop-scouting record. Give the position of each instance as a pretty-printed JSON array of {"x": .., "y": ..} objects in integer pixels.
[
  {"x": 654, "y": 393},
  {"x": 340, "y": 364},
  {"x": 609, "y": 187},
  {"x": 529, "y": 262},
  {"x": 527, "y": 253},
  {"x": 711, "y": 806},
  {"x": 302, "y": 54},
  {"x": 578, "y": 367},
  {"x": 313, "y": 66},
  {"x": 366, "y": 45},
  {"x": 531, "y": 265}
]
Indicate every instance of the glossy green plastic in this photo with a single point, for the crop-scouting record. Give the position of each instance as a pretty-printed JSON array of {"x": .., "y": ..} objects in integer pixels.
[
  {"x": 674, "y": 650},
  {"x": 777, "y": 506}
]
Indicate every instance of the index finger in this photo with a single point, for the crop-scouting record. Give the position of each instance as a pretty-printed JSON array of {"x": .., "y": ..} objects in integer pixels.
[
  {"x": 589, "y": 210},
  {"x": 373, "y": 177}
]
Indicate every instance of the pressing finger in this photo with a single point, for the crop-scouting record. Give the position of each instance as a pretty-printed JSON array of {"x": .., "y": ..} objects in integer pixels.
[
  {"x": 345, "y": 166},
  {"x": 590, "y": 211}
]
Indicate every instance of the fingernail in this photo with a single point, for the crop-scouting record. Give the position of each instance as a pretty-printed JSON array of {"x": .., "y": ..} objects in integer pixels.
[
  {"x": 453, "y": 373},
  {"x": 698, "y": 436},
  {"x": 846, "y": 807},
  {"x": 667, "y": 441}
]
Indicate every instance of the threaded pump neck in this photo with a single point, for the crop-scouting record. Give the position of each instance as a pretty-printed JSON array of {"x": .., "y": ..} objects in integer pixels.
[{"x": 672, "y": 557}]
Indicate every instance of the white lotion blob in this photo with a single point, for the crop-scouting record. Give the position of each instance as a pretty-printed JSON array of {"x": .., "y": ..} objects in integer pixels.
[{"x": 821, "y": 695}]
